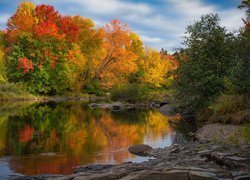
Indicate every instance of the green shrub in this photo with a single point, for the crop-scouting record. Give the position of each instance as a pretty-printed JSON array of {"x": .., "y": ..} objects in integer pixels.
[
  {"x": 93, "y": 87},
  {"x": 14, "y": 91},
  {"x": 227, "y": 104},
  {"x": 246, "y": 132},
  {"x": 130, "y": 93}
]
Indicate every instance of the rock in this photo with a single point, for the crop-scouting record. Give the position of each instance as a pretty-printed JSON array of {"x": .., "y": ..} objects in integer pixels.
[
  {"x": 167, "y": 110},
  {"x": 140, "y": 149},
  {"x": 201, "y": 175},
  {"x": 172, "y": 174},
  {"x": 97, "y": 98},
  {"x": 149, "y": 175},
  {"x": 115, "y": 106},
  {"x": 36, "y": 177},
  {"x": 48, "y": 154},
  {"x": 246, "y": 177},
  {"x": 218, "y": 133},
  {"x": 94, "y": 167}
]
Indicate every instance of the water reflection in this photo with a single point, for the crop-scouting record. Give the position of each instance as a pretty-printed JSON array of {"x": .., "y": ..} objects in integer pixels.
[{"x": 56, "y": 137}]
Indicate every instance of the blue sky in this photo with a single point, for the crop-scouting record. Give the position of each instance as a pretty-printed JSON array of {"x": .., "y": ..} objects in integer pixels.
[{"x": 160, "y": 23}]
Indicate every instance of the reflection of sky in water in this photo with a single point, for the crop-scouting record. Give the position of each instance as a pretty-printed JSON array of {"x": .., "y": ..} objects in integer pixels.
[
  {"x": 5, "y": 170},
  {"x": 164, "y": 141},
  {"x": 130, "y": 158}
]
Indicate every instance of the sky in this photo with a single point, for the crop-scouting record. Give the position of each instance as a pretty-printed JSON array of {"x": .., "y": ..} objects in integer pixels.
[{"x": 159, "y": 23}]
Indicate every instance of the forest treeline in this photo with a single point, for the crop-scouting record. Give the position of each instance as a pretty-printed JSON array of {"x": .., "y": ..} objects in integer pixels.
[
  {"x": 53, "y": 54},
  {"x": 213, "y": 77}
]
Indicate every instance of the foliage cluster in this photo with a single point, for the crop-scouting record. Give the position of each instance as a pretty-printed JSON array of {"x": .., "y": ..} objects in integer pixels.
[
  {"x": 214, "y": 68},
  {"x": 14, "y": 91},
  {"x": 54, "y": 54},
  {"x": 130, "y": 92}
]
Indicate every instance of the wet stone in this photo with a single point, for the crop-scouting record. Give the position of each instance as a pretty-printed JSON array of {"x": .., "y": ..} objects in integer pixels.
[{"x": 140, "y": 149}]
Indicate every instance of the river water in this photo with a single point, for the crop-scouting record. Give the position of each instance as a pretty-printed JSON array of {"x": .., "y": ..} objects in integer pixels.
[{"x": 54, "y": 138}]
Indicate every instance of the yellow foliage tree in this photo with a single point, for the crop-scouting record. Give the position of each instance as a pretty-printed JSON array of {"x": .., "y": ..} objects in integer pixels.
[
  {"x": 76, "y": 64},
  {"x": 154, "y": 67}
]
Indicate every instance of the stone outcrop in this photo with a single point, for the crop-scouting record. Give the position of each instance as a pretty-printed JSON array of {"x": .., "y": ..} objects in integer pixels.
[{"x": 192, "y": 161}]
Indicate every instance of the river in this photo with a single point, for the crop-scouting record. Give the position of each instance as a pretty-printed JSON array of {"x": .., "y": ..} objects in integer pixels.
[{"x": 54, "y": 138}]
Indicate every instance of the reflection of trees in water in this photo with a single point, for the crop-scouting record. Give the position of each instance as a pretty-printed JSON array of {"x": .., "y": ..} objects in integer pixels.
[
  {"x": 131, "y": 116},
  {"x": 183, "y": 130},
  {"x": 76, "y": 133}
]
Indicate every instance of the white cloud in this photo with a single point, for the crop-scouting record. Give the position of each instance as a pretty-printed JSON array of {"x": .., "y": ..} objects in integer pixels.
[
  {"x": 160, "y": 24},
  {"x": 231, "y": 18},
  {"x": 156, "y": 22},
  {"x": 192, "y": 8},
  {"x": 151, "y": 40},
  {"x": 112, "y": 6},
  {"x": 99, "y": 23}
]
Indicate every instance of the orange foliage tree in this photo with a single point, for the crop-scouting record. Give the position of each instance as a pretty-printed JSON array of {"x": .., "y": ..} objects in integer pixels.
[{"x": 117, "y": 60}]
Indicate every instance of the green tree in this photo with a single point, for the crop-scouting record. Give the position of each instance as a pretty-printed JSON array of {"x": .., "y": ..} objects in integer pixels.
[
  {"x": 246, "y": 4},
  {"x": 203, "y": 64},
  {"x": 240, "y": 73},
  {"x": 3, "y": 78}
]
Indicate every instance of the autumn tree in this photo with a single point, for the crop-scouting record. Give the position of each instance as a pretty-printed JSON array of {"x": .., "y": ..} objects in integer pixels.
[
  {"x": 90, "y": 42},
  {"x": 22, "y": 23},
  {"x": 116, "y": 59},
  {"x": 44, "y": 55},
  {"x": 154, "y": 68},
  {"x": 52, "y": 53}
]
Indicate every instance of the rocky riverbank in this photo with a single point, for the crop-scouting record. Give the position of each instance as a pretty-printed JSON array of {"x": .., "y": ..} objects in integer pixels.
[
  {"x": 192, "y": 161},
  {"x": 222, "y": 133}
]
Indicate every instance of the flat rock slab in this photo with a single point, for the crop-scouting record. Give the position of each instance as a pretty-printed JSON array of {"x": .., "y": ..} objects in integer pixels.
[{"x": 94, "y": 167}]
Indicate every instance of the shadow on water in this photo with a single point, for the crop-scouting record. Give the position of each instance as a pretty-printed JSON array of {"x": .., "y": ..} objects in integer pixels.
[
  {"x": 56, "y": 137},
  {"x": 131, "y": 116},
  {"x": 184, "y": 130}
]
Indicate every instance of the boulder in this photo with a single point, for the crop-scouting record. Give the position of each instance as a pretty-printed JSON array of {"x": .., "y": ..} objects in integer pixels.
[
  {"x": 167, "y": 110},
  {"x": 140, "y": 149}
]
